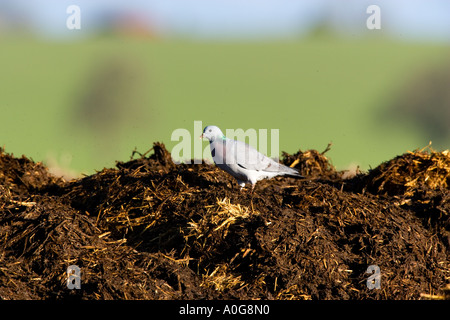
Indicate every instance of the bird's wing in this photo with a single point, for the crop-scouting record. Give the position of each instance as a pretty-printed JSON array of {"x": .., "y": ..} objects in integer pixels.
[{"x": 249, "y": 158}]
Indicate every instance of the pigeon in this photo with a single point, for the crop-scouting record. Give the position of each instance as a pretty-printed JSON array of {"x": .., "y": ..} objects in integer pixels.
[{"x": 242, "y": 161}]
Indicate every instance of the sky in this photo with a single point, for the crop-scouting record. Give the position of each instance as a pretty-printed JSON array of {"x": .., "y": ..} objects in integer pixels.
[{"x": 420, "y": 20}]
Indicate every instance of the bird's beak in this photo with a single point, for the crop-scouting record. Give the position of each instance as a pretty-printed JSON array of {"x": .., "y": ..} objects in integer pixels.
[{"x": 201, "y": 137}]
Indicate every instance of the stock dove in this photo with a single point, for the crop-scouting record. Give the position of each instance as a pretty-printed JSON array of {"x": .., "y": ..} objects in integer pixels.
[{"x": 243, "y": 162}]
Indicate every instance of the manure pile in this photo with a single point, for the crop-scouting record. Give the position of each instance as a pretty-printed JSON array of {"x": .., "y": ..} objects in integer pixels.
[{"x": 150, "y": 229}]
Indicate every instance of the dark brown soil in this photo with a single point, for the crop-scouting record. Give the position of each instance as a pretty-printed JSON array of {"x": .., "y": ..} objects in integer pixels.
[{"x": 150, "y": 229}]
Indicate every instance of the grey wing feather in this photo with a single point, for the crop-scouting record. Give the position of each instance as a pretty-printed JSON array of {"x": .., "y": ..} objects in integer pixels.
[{"x": 249, "y": 158}]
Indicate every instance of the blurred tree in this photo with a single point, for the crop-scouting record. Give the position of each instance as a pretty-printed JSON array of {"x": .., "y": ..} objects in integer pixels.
[
  {"x": 425, "y": 100},
  {"x": 111, "y": 100}
]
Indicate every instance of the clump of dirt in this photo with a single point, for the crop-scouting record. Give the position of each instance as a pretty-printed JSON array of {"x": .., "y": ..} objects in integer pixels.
[
  {"x": 150, "y": 229},
  {"x": 409, "y": 173},
  {"x": 419, "y": 181},
  {"x": 311, "y": 163}
]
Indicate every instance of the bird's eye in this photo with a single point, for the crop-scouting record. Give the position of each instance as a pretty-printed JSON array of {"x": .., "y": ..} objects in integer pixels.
[{"x": 209, "y": 130}]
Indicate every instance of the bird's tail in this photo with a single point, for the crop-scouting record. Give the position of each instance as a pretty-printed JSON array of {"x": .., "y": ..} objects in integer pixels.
[
  {"x": 295, "y": 175},
  {"x": 291, "y": 172}
]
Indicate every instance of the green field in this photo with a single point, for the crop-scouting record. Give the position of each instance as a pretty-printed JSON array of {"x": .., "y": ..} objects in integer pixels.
[{"x": 315, "y": 90}]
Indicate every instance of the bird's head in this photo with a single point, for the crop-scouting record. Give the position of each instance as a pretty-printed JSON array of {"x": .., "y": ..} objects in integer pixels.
[{"x": 212, "y": 133}]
